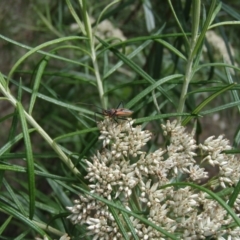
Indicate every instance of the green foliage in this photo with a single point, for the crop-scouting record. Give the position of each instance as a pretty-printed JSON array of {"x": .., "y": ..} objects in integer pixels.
[{"x": 160, "y": 60}]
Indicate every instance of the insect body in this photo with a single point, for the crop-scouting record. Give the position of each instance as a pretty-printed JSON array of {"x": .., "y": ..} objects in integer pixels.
[
  {"x": 114, "y": 113},
  {"x": 117, "y": 113}
]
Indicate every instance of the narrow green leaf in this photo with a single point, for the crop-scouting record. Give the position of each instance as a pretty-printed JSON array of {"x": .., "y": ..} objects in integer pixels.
[
  {"x": 72, "y": 134},
  {"x": 236, "y": 139},
  {"x": 220, "y": 108},
  {"x": 57, "y": 102},
  {"x": 75, "y": 16},
  {"x": 87, "y": 148},
  {"x": 46, "y": 20},
  {"x": 137, "y": 69},
  {"x": 171, "y": 48},
  {"x": 30, "y": 160},
  {"x": 231, "y": 11},
  {"x": 86, "y": 21},
  {"x": 22, "y": 218},
  {"x": 14, "y": 198},
  {"x": 128, "y": 223},
  {"x": 149, "y": 15},
  {"x": 23, "y": 235},
  {"x": 215, "y": 65},
  {"x": 13, "y": 168},
  {"x": 23, "y": 155},
  {"x": 149, "y": 89},
  {"x": 43, "y": 52},
  {"x": 3, "y": 82},
  {"x": 205, "y": 28},
  {"x": 13, "y": 128},
  {"x": 8, "y": 145},
  {"x": 41, "y": 173},
  {"x": 12, "y": 132},
  {"x": 37, "y": 82},
  {"x": 33, "y": 50},
  {"x": 232, "y": 151},
  {"x": 160, "y": 116},
  {"x": 119, "y": 223},
  {"x": 128, "y": 84},
  {"x": 58, "y": 190},
  {"x": 5, "y": 224},
  {"x": 19, "y": 96},
  {"x": 178, "y": 23},
  {"x": 213, "y": 89},
  {"x": 104, "y": 11},
  {"x": 7, "y": 116},
  {"x": 130, "y": 56},
  {"x": 205, "y": 102},
  {"x": 216, "y": 11},
  {"x": 234, "y": 195},
  {"x": 230, "y": 81}
]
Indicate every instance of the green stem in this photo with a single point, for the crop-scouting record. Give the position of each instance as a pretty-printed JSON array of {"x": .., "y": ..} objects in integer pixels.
[
  {"x": 91, "y": 38},
  {"x": 5, "y": 91},
  {"x": 196, "y": 9}
]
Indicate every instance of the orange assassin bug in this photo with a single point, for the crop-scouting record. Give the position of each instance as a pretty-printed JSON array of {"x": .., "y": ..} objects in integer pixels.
[
  {"x": 114, "y": 113},
  {"x": 117, "y": 113}
]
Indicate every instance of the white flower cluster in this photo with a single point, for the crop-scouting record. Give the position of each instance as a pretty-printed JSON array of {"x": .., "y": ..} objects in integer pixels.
[
  {"x": 181, "y": 151},
  {"x": 228, "y": 164},
  {"x": 124, "y": 171},
  {"x": 123, "y": 138}
]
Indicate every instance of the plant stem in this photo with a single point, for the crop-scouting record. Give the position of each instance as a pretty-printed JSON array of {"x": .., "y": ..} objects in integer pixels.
[
  {"x": 90, "y": 35},
  {"x": 5, "y": 91},
  {"x": 189, "y": 73}
]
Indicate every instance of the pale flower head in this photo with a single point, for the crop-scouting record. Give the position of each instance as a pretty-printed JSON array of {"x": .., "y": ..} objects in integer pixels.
[
  {"x": 125, "y": 172},
  {"x": 124, "y": 139}
]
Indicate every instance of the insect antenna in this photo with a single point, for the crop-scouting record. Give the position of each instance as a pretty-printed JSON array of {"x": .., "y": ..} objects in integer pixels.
[
  {"x": 113, "y": 113},
  {"x": 90, "y": 104}
]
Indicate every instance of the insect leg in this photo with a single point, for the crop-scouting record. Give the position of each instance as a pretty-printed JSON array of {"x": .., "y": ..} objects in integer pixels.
[
  {"x": 115, "y": 119},
  {"x": 120, "y": 104}
]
